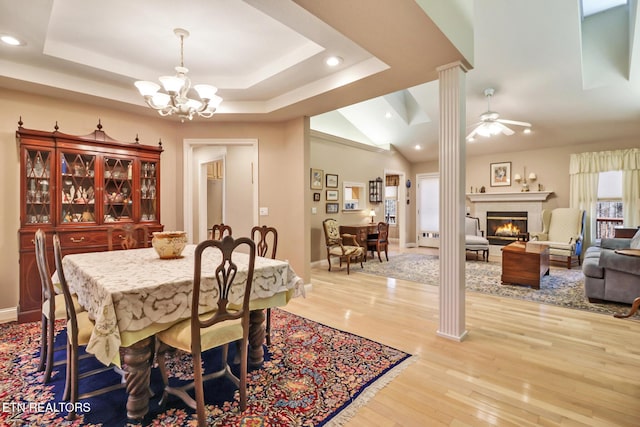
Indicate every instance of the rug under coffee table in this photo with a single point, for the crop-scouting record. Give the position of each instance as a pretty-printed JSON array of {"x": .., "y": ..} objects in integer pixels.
[{"x": 524, "y": 263}]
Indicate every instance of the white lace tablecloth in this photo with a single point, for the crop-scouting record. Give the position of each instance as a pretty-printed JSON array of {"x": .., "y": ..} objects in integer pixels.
[{"x": 127, "y": 291}]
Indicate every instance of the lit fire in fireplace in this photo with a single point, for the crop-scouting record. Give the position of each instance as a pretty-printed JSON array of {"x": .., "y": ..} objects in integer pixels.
[{"x": 508, "y": 230}]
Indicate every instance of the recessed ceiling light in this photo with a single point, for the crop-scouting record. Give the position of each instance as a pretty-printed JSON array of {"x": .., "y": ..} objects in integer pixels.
[
  {"x": 333, "y": 61},
  {"x": 418, "y": 147},
  {"x": 388, "y": 115},
  {"x": 10, "y": 40},
  {"x": 527, "y": 130}
]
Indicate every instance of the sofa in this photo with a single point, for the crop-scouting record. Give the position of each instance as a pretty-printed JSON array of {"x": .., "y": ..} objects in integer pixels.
[{"x": 612, "y": 276}]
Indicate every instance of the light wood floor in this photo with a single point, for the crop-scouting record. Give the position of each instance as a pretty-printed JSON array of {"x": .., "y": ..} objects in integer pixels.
[{"x": 522, "y": 364}]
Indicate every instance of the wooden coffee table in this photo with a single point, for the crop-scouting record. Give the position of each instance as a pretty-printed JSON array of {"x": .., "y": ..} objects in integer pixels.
[{"x": 524, "y": 263}]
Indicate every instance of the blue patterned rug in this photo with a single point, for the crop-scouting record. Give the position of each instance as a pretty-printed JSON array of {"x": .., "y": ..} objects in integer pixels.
[
  {"x": 561, "y": 287},
  {"x": 313, "y": 375}
]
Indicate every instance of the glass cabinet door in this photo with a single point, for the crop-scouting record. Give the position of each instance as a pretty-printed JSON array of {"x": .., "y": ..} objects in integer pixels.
[
  {"x": 148, "y": 184},
  {"x": 38, "y": 179},
  {"x": 117, "y": 198},
  {"x": 77, "y": 174}
]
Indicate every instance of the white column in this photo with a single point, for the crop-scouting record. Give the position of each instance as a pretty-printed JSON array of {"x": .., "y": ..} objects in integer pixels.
[{"x": 452, "y": 201}]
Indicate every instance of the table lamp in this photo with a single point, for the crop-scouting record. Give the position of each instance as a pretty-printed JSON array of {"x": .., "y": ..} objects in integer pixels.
[{"x": 372, "y": 214}]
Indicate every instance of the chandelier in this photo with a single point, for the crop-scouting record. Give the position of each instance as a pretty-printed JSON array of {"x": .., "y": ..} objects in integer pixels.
[{"x": 176, "y": 100}]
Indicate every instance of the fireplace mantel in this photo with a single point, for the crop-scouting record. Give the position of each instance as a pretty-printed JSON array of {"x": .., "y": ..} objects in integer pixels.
[{"x": 523, "y": 196}]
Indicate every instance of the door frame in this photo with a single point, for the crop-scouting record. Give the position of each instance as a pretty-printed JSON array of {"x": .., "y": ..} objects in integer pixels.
[
  {"x": 199, "y": 171},
  {"x": 401, "y": 206}
]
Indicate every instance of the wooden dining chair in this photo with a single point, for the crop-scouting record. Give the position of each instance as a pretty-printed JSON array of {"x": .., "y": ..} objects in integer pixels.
[
  {"x": 218, "y": 231},
  {"x": 229, "y": 322},
  {"x": 53, "y": 308},
  {"x": 128, "y": 236},
  {"x": 79, "y": 330},
  {"x": 266, "y": 238},
  {"x": 380, "y": 241}
]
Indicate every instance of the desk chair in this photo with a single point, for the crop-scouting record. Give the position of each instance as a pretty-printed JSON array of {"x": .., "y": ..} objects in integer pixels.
[
  {"x": 380, "y": 242},
  {"x": 266, "y": 237},
  {"x": 228, "y": 323}
]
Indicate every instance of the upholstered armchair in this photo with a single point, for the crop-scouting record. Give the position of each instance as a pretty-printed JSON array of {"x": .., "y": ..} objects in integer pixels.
[
  {"x": 474, "y": 239},
  {"x": 345, "y": 247},
  {"x": 562, "y": 231}
]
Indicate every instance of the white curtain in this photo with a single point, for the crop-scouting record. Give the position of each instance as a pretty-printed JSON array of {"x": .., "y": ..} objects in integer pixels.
[{"x": 584, "y": 169}]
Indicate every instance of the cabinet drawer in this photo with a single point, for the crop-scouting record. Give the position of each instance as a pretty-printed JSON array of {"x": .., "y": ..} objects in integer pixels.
[{"x": 79, "y": 239}]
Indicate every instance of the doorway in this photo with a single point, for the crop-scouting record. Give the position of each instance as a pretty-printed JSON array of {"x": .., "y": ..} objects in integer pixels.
[
  {"x": 239, "y": 187},
  {"x": 394, "y": 205}
]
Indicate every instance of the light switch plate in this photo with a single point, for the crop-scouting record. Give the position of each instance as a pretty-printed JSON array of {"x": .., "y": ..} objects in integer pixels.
[{"x": 264, "y": 211}]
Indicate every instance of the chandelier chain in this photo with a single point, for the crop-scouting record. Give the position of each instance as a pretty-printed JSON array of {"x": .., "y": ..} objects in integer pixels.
[{"x": 182, "y": 50}]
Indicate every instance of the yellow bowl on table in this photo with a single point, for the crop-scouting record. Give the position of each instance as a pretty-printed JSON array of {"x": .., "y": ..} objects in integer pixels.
[{"x": 169, "y": 244}]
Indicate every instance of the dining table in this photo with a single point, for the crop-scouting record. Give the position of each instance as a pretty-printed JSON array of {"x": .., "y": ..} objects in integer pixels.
[{"x": 133, "y": 294}]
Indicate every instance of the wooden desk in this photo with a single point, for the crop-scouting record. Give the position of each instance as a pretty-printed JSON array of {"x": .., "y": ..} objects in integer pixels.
[
  {"x": 361, "y": 231},
  {"x": 133, "y": 294},
  {"x": 524, "y": 264}
]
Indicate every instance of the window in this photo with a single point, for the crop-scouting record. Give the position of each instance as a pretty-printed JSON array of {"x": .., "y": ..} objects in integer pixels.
[{"x": 609, "y": 205}]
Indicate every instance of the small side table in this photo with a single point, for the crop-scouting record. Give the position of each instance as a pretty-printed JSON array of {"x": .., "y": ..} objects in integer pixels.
[
  {"x": 524, "y": 264},
  {"x": 624, "y": 232}
]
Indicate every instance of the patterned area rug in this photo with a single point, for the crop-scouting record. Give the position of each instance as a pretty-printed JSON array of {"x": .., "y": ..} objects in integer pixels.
[
  {"x": 314, "y": 376},
  {"x": 561, "y": 287}
]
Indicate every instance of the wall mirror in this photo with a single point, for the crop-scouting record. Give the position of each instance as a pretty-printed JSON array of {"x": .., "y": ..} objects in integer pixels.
[{"x": 353, "y": 196}]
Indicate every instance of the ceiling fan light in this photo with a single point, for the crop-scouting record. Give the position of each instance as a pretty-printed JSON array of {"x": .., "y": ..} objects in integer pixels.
[
  {"x": 483, "y": 130},
  {"x": 147, "y": 88},
  {"x": 494, "y": 128}
]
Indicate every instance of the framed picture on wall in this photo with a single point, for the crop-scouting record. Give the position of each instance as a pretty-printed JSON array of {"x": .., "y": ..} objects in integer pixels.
[
  {"x": 332, "y": 181},
  {"x": 332, "y": 195},
  {"x": 317, "y": 176},
  {"x": 316, "y": 197},
  {"x": 332, "y": 208},
  {"x": 500, "y": 174}
]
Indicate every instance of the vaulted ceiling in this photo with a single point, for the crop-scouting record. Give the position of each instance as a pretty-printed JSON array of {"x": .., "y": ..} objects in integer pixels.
[{"x": 575, "y": 80}]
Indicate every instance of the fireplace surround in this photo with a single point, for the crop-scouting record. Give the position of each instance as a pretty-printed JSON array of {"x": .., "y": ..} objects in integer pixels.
[
  {"x": 504, "y": 227},
  {"x": 531, "y": 201}
]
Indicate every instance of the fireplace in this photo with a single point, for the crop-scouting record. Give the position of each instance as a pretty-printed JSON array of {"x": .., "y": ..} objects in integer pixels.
[{"x": 504, "y": 227}]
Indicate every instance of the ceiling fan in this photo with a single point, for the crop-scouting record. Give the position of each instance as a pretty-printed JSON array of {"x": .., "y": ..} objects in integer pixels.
[{"x": 491, "y": 124}]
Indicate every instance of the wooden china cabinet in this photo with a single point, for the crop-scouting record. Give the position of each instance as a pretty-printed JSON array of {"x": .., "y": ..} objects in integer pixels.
[{"x": 78, "y": 186}]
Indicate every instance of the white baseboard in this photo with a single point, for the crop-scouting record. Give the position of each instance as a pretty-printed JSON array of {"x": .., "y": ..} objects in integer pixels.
[
  {"x": 410, "y": 245},
  {"x": 320, "y": 263},
  {"x": 8, "y": 314}
]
